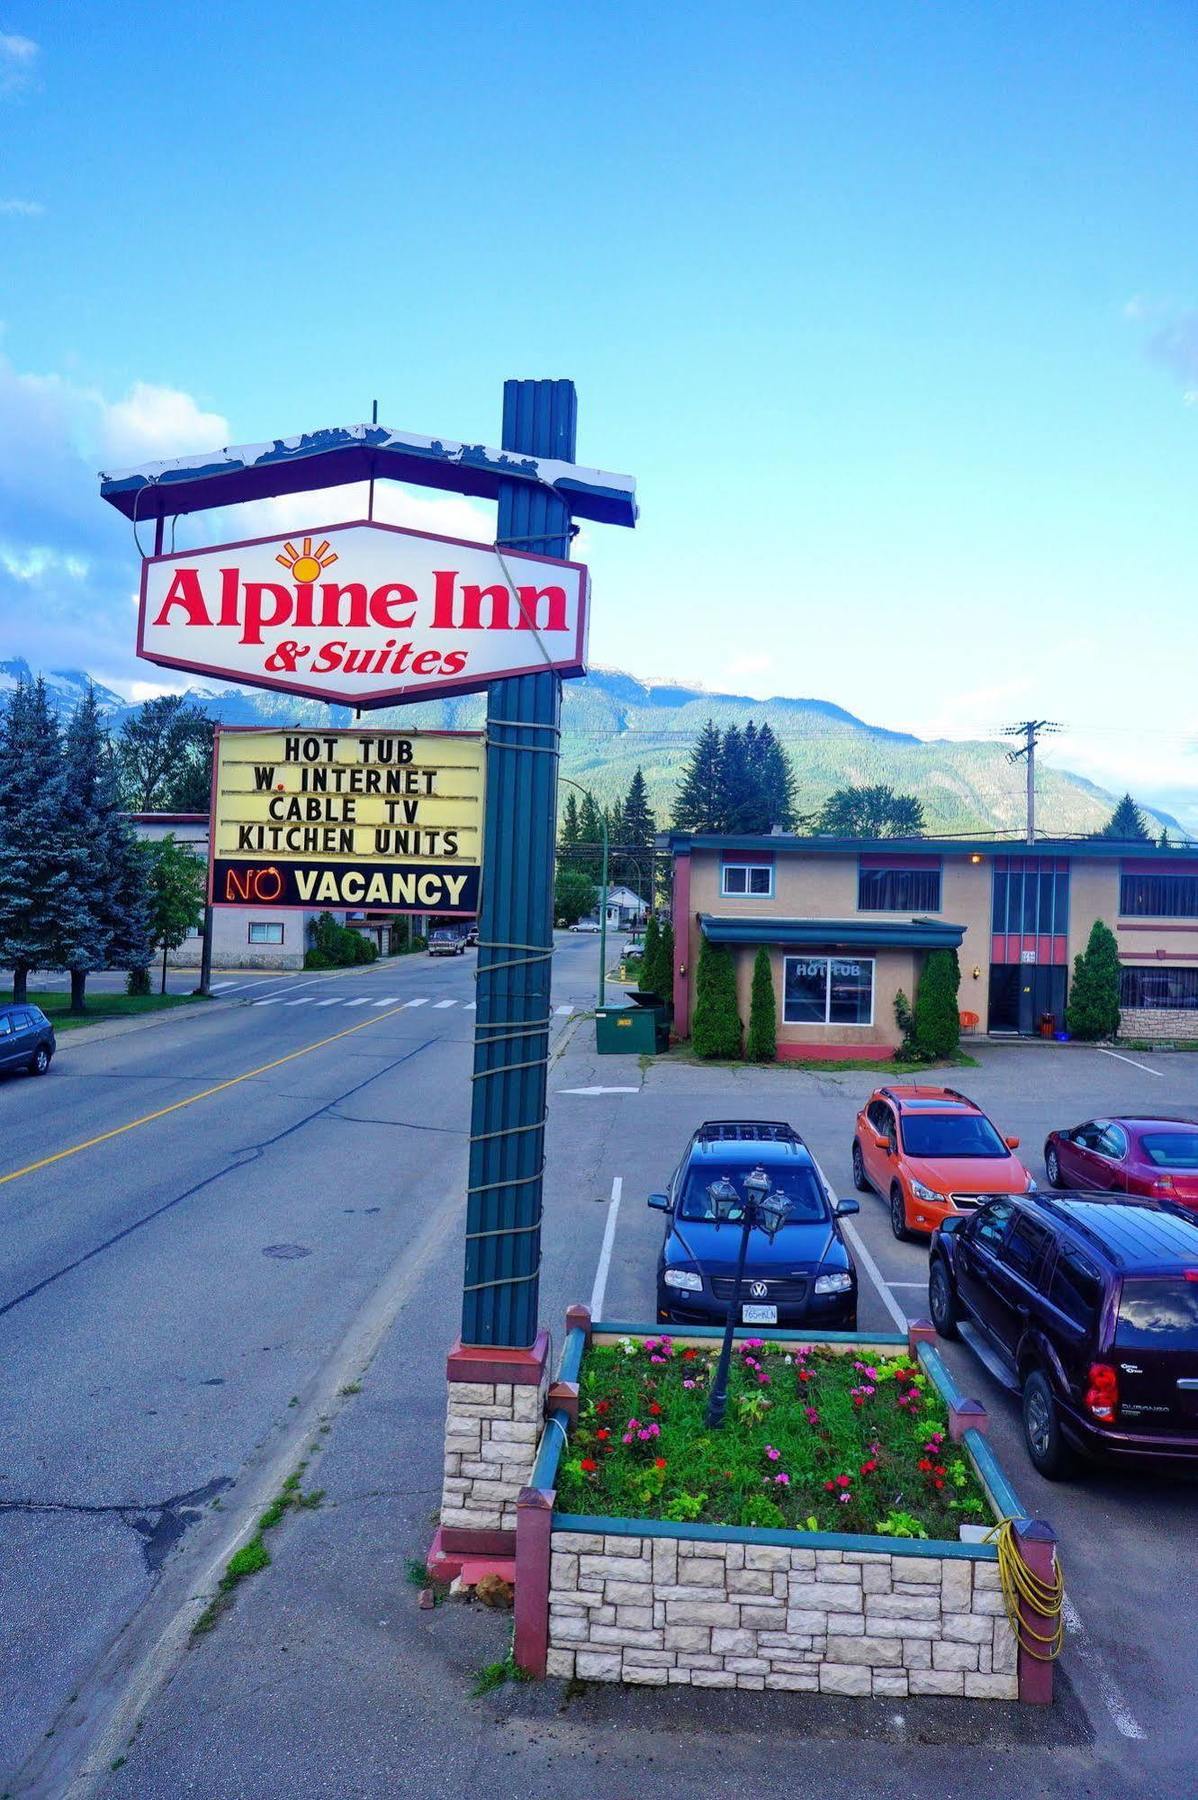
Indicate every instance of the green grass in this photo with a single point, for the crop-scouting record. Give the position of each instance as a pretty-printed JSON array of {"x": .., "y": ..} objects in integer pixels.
[
  {"x": 798, "y": 1434},
  {"x": 683, "y": 1053},
  {"x": 99, "y": 1006},
  {"x": 255, "y": 1556}
]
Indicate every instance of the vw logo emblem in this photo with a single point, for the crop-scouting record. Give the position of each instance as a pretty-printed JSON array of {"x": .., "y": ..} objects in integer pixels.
[{"x": 758, "y": 1290}]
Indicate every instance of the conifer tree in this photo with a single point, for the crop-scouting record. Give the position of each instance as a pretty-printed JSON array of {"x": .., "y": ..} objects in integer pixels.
[
  {"x": 32, "y": 878},
  {"x": 937, "y": 1027},
  {"x": 83, "y": 900},
  {"x": 665, "y": 964},
  {"x": 1093, "y": 1009},
  {"x": 1127, "y": 823},
  {"x": 738, "y": 808},
  {"x": 716, "y": 1026},
  {"x": 761, "y": 1044},
  {"x": 775, "y": 778},
  {"x": 697, "y": 805},
  {"x": 569, "y": 831},
  {"x": 651, "y": 959},
  {"x": 637, "y": 825}
]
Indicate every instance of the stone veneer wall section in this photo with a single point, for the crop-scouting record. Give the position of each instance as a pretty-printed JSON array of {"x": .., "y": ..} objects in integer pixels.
[
  {"x": 491, "y": 1433},
  {"x": 1154, "y": 1022},
  {"x": 715, "y": 1613}
]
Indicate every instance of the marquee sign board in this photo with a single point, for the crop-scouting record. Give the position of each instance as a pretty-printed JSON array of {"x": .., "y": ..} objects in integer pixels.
[
  {"x": 364, "y": 614},
  {"x": 381, "y": 821}
]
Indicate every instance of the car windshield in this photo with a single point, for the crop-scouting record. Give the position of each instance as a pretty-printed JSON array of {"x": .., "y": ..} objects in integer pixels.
[
  {"x": 806, "y": 1204},
  {"x": 951, "y": 1134},
  {"x": 1158, "y": 1315},
  {"x": 1172, "y": 1149}
]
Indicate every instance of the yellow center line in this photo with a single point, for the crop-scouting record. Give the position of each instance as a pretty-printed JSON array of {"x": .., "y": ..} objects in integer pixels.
[{"x": 177, "y": 1105}]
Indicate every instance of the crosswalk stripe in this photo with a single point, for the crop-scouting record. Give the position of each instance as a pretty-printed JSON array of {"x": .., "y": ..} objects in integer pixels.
[
  {"x": 439, "y": 1004},
  {"x": 335, "y": 1002},
  {"x": 389, "y": 1001},
  {"x": 275, "y": 1000},
  {"x": 218, "y": 985},
  {"x": 364, "y": 1001},
  {"x": 422, "y": 1002},
  {"x": 563, "y": 1009},
  {"x": 471, "y": 1005},
  {"x": 304, "y": 1000}
]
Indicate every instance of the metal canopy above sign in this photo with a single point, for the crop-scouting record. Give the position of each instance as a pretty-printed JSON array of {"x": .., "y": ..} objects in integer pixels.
[
  {"x": 381, "y": 821},
  {"x": 363, "y": 614}
]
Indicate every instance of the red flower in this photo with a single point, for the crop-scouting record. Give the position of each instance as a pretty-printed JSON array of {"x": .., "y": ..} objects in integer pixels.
[
  {"x": 588, "y": 1465},
  {"x": 602, "y": 1435},
  {"x": 867, "y": 1468},
  {"x": 659, "y": 1462},
  {"x": 689, "y": 1355},
  {"x": 806, "y": 1375},
  {"x": 831, "y": 1486},
  {"x": 654, "y": 1406},
  {"x": 603, "y": 1406},
  {"x": 924, "y": 1464},
  {"x": 844, "y": 1481}
]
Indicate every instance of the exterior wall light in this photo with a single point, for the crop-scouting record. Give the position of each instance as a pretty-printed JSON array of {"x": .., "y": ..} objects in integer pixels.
[{"x": 975, "y": 857}]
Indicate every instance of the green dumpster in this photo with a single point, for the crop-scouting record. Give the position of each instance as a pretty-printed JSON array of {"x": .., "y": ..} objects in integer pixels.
[
  {"x": 661, "y": 1011},
  {"x": 625, "y": 1031}
]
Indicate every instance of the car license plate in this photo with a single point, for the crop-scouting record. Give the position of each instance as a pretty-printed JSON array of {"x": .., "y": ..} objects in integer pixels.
[{"x": 759, "y": 1315}]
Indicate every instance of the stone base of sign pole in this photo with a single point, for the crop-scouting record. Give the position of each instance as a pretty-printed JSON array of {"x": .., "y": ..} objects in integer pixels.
[{"x": 492, "y": 1427}]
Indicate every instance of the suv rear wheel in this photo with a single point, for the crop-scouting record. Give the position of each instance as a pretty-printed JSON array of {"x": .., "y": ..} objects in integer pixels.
[
  {"x": 942, "y": 1300},
  {"x": 860, "y": 1178},
  {"x": 40, "y": 1061},
  {"x": 898, "y": 1214},
  {"x": 1046, "y": 1445}
]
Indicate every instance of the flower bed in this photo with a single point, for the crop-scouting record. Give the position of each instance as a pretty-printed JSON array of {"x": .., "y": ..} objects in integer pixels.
[{"x": 813, "y": 1440}]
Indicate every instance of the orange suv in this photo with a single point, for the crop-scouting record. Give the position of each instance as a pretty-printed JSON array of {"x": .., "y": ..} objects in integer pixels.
[{"x": 931, "y": 1152}]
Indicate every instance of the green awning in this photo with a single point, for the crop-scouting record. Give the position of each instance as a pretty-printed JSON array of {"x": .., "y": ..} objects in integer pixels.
[{"x": 834, "y": 934}]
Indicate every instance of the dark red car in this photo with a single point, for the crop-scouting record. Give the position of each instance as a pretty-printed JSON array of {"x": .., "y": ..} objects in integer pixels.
[{"x": 1158, "y": 1157}]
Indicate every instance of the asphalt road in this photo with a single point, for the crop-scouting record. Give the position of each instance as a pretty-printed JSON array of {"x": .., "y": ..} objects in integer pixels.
[{"x": 170, "y": 1360}]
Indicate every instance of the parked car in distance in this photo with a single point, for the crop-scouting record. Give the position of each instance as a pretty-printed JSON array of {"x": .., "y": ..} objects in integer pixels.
[
  {"x": 1092, "y": 1303},
  {"x": 1129, "y": 1156},
  {"x": 586, "y": 925},
  {"x": 804, "y": 1276},
  {"x": 930, "y": 1152},
  {"x": 471, "y": 935},
  {"x": 445, "y": 940},
  {"x": 26, "y": 1039}
]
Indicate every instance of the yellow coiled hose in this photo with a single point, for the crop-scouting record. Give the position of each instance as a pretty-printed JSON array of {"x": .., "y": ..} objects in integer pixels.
[{"x": 1044, "y": 1597}]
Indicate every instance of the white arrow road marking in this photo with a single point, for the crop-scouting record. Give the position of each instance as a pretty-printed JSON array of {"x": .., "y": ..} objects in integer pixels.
[
  {"x": 438, "y": 1005},
  {"x": 421, "y": 1002},
  {"x": 560, "y": 1010},
  {"x": 609, "y": 1238},
  {"x": 590, "y": 1091}
]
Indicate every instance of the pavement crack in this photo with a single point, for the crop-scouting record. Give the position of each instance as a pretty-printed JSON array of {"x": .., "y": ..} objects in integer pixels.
[{"x": 159, "y": 1523}]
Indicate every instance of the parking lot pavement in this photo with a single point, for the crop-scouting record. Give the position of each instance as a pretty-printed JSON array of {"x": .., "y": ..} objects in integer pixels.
[{"x": 1124, "y": 1537}]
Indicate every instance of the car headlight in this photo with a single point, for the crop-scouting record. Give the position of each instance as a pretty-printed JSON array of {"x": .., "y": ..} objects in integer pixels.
[
  {"x": 926, "y": 1193},
  {"x": 834, "y": 1284},
  {"x": 683, "y": 1278},
  {"x": 1033, "y": 1186}
]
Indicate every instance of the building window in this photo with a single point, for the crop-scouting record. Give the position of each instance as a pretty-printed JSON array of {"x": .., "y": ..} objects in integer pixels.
[
  {"x": 1159, "y": 989},
  {"x": 1171, "y": 896},
  {"x": 828, "y": 990},
  {"x": 266, "y": 931},
  {"x": 898, "y": 890},
  {"x": 756, "y": 879},
  {"x": 1031, "y": 898}
]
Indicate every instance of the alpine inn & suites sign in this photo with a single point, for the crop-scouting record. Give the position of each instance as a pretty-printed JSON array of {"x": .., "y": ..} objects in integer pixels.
[
  {"x": 380, "y": 820},
  {"x": 364, "y": 614}
]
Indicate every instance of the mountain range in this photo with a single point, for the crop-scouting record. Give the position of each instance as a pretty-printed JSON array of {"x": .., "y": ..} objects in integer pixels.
[{"x": 612, "y": 723}]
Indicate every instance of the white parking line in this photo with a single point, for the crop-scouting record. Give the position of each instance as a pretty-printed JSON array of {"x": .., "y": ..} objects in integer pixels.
[
  {"x": 439, "y": 1005},
  {"x": 562, "y": 1010},
  {"x": 912, "y": 1284},
  {"x": 609, "y": 1237},
  {"x": 1133, "y": 1063},
  {"x": 867, "y": 1262},
  {"x": 1125, "y": 1721}
]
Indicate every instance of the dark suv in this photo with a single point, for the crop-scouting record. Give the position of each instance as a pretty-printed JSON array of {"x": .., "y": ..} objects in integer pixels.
[
  {"x": 804, "y": 1276},
  {"x": 26, "y": 1039},
  {"x": 1092, "y": 1302}
]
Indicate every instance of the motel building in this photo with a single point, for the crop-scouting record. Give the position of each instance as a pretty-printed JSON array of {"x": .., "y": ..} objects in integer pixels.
[
  {"x": 249, "y": 937},
  {"x": 848, "y": 923}
]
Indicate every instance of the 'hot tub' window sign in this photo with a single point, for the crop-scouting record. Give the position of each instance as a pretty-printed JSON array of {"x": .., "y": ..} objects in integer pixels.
[{"x": 363, "y": 614}]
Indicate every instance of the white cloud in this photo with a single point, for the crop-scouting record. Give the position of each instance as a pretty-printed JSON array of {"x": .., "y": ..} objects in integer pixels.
[
  {"x": 18, "y": 59},
  {"x": 21, "y": 209},
  {"x": 152, "y": 423}
]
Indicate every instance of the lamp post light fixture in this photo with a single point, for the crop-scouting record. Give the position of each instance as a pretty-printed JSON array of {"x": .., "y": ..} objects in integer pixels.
[{"x": 764, "y": 1209}]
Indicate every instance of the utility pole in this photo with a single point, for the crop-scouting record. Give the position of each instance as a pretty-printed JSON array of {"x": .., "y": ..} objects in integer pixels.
[{"x": 1031, "y": 731}]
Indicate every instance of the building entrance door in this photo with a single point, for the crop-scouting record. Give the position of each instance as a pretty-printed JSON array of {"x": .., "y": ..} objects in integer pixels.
[{"x": 1020, "y": 995}]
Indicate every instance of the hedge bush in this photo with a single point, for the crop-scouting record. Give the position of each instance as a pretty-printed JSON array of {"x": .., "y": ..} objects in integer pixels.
[
  {"x": 716, "y": 1026},
  {"x": 937, "y": 1023},
  {"x": 762, "y": 1042},
  {"x": 1093, "y": 1009}
]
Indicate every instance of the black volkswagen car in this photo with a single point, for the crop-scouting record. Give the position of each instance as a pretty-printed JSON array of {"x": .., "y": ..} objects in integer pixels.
[
  {"x": 26, "y": 1040},
  {"x": 804, "y": 1277}
]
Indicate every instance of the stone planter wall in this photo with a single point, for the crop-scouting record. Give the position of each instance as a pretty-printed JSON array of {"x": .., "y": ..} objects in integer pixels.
[{"x": 712, "y": 1611}]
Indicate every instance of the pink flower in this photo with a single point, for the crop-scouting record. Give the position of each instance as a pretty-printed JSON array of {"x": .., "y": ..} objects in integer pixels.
[
  {"x": 772, "y": 1453},
  {"x": 845, "y": 1498},
  {"x": 812, "y": 1415},
  {"x": 783, "y": 1480},
  {"x": 688, "y": 1384}
]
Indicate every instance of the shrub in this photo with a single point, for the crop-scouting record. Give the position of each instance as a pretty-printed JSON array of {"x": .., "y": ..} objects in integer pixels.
[
  {"x": 1093, "y": 1009},
  {"x": 937, "y": 1025},
  {"x": 716, "y": 1027},
  {"x": 651, "y": 958},
  {"x": 365, "y": 948},
  {"x": 762, "y": 1042},
  {"x": 137, "y": 981}
]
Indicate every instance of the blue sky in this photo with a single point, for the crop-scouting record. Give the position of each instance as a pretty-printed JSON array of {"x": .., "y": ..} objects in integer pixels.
[{"x": 892, "y": 310}]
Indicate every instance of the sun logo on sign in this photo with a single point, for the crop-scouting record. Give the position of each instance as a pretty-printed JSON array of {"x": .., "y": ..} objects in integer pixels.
[{"x": 306, "y": 564}]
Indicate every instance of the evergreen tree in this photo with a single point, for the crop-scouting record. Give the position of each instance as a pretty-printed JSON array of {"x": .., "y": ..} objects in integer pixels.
[
  {"x": 651, "y": 959},
  {"x": 762, "y": 1042},
  {"x": 176, "y": 895},
  {"x": 871, "y": 812},
  {"x": 590, "y": 831},
  {"x": 84, "y": 913},
  {"x": 775, "y": 778},
  {"x": 716, "y": 1026},
  {"x": 32, "y": 877},
  {"x": 738, "y": 808},
  {"x": 637, "y": 826},
  {"x": 1093, "y": 1009},
  {"x": 665, "y": 965},
  {"x": 165, "y": 756},
  {"x": 569, "y": 830},
  {"x": 1162, "y": 842},
  {"x": 697, "y": 805},
  {"x": 937, "y": 1025},
  {"x": 1127, "y": 823}
]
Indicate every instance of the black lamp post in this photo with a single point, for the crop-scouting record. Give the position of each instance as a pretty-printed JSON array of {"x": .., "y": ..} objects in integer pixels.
[{"x": 764, "y": 1208}]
